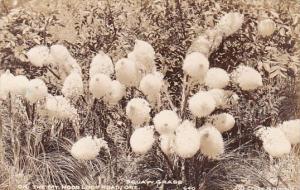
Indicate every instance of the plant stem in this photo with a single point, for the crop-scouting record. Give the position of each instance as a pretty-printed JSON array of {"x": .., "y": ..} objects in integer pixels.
[
  {"x": 129, "y": 135},
  {"x": 51, "y": 71},
  {"x": 184, "y": 95},
  {"x": 45, "y": 30},
  {"x": 165, "y": 90},
  {"x": 196, "y": 166},
  {"x": 169, "y": 163},
  {"x": 1, "y": 143}
]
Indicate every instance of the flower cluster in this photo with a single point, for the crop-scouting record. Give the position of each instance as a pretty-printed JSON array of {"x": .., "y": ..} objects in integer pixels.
[
  {"x": 277, "y": 141},
  {"x": 274, "y": 141},
  {"x": 212, "y": 144},
  {"x": 180, "y": 138},
  {"x": 187, "y": 140},
  {"x": 142, "y": 139},
  {"x": 101, "y": 63},
  {"x": 73, "y": 86},
  {"x": 87, "y": 148},
  {"x": 247, "y": 78},
  {"x": 138, "y": 111},
  {"x": 177, "y": 137},
  {"x": 230, "y": 23},
  {"x": 33, "y": 90},
  {"x": 177, "y": 132},
  {"x": 266, "y": 27},
  {"x": 196, "y": 66},
  {"x": 59, "y": 107},
  {"x": 55, "y": 56},
  {"x": 151, "y": 85}
]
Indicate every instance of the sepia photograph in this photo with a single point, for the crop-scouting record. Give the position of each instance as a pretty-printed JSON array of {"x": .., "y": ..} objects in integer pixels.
[{"x": 149, "y": 95}]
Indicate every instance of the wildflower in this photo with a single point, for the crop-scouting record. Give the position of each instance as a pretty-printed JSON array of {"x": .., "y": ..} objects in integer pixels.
[
  {"x": 19, "y": 86},
  {"x": 38, "y": 55},
  {"x": 216, "y": 78},
  {"x": 202, "y": 104},
  {"x": 116, "y": 92},
  {"x": 274, "y": 141},
  {"x": 187, "y": 140},
  {"x": 166, "y": 122},
  {"x": 219, "y": 95},
  {"x": 6, "y": 84},
  {"x": 61, "y": 57},
  {"x": 215, "y": 38},
  {"x": 59, "y": 53},
  {"x": 142, "y": 139},
  {"x": 247, "y": 78},
  {"x": 212, "y": 144},
  {"x": 87, "y": 148},
  {"x": 143, "y": 55},
  {"x": 291, "y": 129},
  {"x": 138, "y": 111},
  {"x": 151, "y": 85},
  {"x": 167, "y": 143},
  {"x": 266, "y": 27},
  {"x": 223, "y": 122},
  {"x": 70, "y": 65},
  {"x": 196, "y": 66},
  {"x": 73, "y": 86},
  {"x": 127, "y": 72},
  {"x": 230, "y": 23},
  {"x": 59, "y": 107},
  {"x": 101, "y": 63},
  {"x": 100, "y": 85},
  {"x": 201, "y": 44},
  {"x": 36, "y": 90}
]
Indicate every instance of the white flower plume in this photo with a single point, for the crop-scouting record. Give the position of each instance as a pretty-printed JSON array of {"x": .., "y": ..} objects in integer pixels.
[
  {"x": 143, "y": 55},
  {"x": 87, "y": 148},
  {"x": 151, "y": 85},
  {"x": 167, "y": 143},
  {"x": 202, "y": 104},
  {"x": 73, "y": 86},
  {"x": 127, "y": 72},
  {"x": 291, "y": 130},
  {"x": 216, "y": 78},
  {"x": 196, "y": 66},
  {"x": 223, "y": 122},
  {"x": 166, "y": 122},
  {"x": 247, "y": 78},
  {"x": 100, "y": 85},
  {"x": 59, "y": 107},
  {"x": 201, "y": 44},
  {"x": 274, "y": 141},
  {"x": 6, "y": 84},
  {"x": 187, "y": 140},
  {"x": 138, "y": 111},
  {"x": 142, "y": 139},
  {"x": 266, "y": 27},
  {"x": 36, "y": 90},
  {"x": 101, "y": 63},
  {"x": 61, "y": 57},
  {"x": 215, "y": 37},
  {"x": 59, "y": 54},
  {"x": 220, "y": 97},
  {"x": 116, "y": 92},
  {"x": 212, "y": 144},
  {"x": 19, "y": 85},
  {"x": 38, "y": 55},
  {"x": 230, "y": 23}
]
